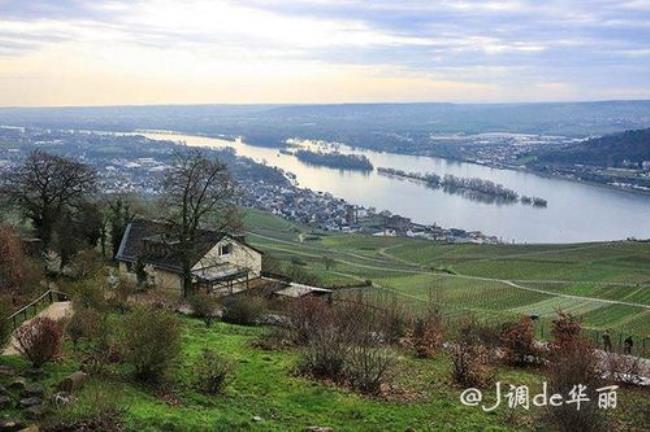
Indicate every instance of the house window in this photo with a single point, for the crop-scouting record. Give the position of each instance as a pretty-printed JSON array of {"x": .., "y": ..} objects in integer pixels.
[{"x": 225, "y": 249}]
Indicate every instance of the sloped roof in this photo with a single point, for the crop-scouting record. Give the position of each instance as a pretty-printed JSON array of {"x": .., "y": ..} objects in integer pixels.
[{"x": 139, "y": 231}]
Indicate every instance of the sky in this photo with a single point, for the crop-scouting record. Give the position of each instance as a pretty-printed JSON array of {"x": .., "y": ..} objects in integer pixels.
[{"x": 119, "y": 52}]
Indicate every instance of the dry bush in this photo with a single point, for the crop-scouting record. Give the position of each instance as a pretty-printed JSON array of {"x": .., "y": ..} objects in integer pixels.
[
  {"x": 151, "y": 341},
  {"x": 518, "y": 342},
  {"x": 470, "y": 364},
  {"x": 326, "y": 353},
  {"x": 566, "y": 329},
  {"x": 212, "y": 372},
  {"x": 39, "y": 340},
  {"x": 305, "y": 316},
  {"x": 244, "y": 309},
  {"x": 573, "y": 361},
  {"x": 396, "y": 322},
  {"x": 426, "y": 336},
  {"x": 623, "y": 369}
]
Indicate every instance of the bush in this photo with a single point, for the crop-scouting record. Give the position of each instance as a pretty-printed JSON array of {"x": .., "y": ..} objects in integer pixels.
[
  {"x": 244, "y": 310},
  {"x": 151, "y": 341},
  {"x": 88, "y": 294},
  {"x": 470, "y": 364},
  {"x": 625, "y": 369},
  {"x": 204, "y": 306},
  {"x": 305, "y": 316},
  {"x": 39, "y": 340},
  {"x": 518, "y": 342},
  {"x": 573, "y": 361},
  {"x": 426, "y": 337},
  {"x": 122, "y": 291},
  {"x": 85, "y": 323},
  {"x": 212, "y": 372},
  {"x": 326, "y": 353},
  {"x": 369, "y": 367}
]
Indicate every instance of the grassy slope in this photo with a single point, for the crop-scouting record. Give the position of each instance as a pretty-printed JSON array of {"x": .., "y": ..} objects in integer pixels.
[
  {"x": 608, "y": 284},
  {"x": 265, "y": 385}
]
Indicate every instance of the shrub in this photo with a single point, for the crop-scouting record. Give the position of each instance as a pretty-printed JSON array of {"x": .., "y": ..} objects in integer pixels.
[
  {"x": 151, "y": 341},
  {"x": 396, "y": 322},
  {"x": 204, "y": 306},
  {"x": 426, "y": 337},
  {"x": 88, "y": 294},
  {"x": 573, "y": 361},
  {"x": 212, "y": 372},
  {"x": 85, "y": 323},
  {"x": 123, "y": 289},
  {"x": 39, "y": 340},
  {"x": 624, "y": 369},
  {"x": 518, "y": 342},
  {"x": 470, "y": 364},
  {"x": 244, "y": 310},
  {"x": 369, "y": 367},
  {"x": 305, "y": 315},
  {"x": 566, "y": 329},
  {"x": 326, "y": 354}
]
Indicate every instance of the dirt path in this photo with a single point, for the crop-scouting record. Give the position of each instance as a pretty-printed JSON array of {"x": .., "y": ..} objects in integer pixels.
[{"x": 55, "y": 311}]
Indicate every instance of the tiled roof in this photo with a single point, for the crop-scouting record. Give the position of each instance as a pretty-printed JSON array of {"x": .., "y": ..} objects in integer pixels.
[{"x": 139, "y": 231}]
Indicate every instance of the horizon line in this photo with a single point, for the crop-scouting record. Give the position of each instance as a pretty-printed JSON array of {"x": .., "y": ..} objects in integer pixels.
[{"x": 288, "y": 104}]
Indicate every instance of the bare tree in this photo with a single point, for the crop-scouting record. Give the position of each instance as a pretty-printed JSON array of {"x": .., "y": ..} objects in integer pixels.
[
  {"x": 198, "y": 193},
  {"x": 46, "y": 186}
]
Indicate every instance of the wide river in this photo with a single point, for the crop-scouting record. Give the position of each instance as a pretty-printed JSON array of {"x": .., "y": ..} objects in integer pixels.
[{"x": 576, "y": 212}]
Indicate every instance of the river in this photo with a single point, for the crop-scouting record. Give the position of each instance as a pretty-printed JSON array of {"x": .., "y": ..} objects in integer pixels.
[{"x": 576, "y": 212}]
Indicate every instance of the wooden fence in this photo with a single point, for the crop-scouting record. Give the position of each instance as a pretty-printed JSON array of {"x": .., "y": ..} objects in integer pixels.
[{"x": 48, "y": 297}]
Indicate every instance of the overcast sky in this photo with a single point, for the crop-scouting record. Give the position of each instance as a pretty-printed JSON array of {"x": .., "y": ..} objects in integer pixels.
[{"x": 99, "y": 52}]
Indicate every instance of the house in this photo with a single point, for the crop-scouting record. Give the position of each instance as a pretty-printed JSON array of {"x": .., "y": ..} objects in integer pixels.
[{"x": 220, "y": 261}]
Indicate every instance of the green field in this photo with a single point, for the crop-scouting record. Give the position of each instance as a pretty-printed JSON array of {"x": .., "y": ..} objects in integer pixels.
[{"x": 606, "y": 284}]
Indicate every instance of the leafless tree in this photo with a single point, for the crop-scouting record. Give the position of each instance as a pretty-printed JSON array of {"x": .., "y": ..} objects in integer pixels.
[
  {"x": 199, "y": 194},
  {"x": 46, "y": 186}
]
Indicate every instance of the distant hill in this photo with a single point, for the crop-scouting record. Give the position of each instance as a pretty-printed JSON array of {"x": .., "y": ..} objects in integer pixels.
[{"x": 609, "y": 150}]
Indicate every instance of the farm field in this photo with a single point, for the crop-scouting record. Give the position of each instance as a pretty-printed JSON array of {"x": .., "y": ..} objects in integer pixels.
[{"x": 606, "y": 284}]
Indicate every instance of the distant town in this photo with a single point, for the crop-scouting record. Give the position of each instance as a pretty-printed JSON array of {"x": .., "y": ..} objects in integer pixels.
[{"x": 129, "y": 163}]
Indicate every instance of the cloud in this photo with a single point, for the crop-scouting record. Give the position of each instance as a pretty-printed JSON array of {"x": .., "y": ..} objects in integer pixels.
[{"x": 495, "y": 48}]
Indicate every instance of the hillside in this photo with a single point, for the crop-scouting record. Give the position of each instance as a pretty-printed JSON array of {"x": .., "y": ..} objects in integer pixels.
[
  {"x": 606, "y": 284},
  {"x": 609, "y": 150}
]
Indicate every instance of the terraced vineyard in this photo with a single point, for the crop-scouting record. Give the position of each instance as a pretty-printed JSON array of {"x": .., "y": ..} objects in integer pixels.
[{"x": 607, "y": 284}]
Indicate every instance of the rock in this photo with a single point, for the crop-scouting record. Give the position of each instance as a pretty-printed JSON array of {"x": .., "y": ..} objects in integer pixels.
[
  {"x": 5, "y": 402},
  {"x": 29, "y": 402},
  {"x": 257, "y": 419},
  {"x": 35, "y": 411},
  {"x": 10, "y": 425},
  {"x": 3, "y": 390},
  {"x": 273, "y": 320},
  {"x": 61, "y": 398},
  {"x": 34, "y": 390},
  {"x": 73, "y": 381},
  {"x": 31, "y": 428},
  {"x": 18, "y": 383},
  {"x": 319, "y": 429}
]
